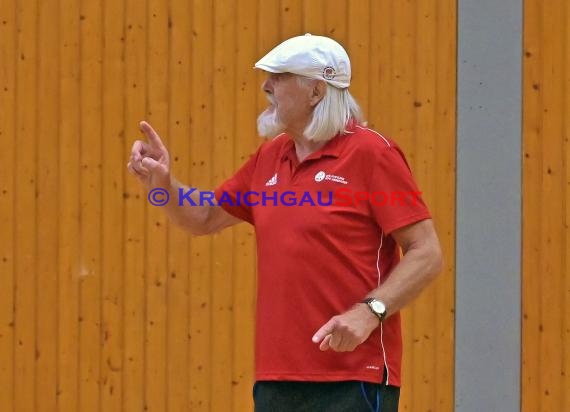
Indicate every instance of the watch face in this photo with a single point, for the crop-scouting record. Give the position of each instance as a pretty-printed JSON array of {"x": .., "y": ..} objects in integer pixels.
[{"x": 378, "y": 307}]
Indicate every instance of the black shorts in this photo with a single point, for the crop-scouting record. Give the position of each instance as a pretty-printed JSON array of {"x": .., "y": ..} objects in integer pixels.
[{"x": 344, "y": 396}]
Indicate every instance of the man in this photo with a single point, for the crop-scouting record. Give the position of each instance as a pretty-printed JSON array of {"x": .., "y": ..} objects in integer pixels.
[{"x": 331, "y": 282}]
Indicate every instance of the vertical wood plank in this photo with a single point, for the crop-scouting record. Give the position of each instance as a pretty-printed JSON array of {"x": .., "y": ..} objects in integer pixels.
[
  {"x": 443, "y": 198},
  {"x": 7, "y": 196},
  {"x": 245, "y": 141},
  {"x": 222, "y": 167},
  {"x": 90, "y": 215},
  {"x": 269, "y": 26},
  {"x": 314, "y": 17},
  {"x": 550, "y": 233},
  {"x": 291, "y": 16},
  {"x": 134, "y": 395},
  {"x": 201, "y": 156},
  {"x": 530, "y": 379},
  {"x": 401, "y": 81},
  {"x": 565, "y": 374},
  {"x": 423, "y": 375},
  {"x": 545, "y": 204},
  {"x": 178, "y": 299},
  {"x": 47, "y": 214},
  {"x": 358, "y": 47},
  {"x": 113, "y": 160},
  {"x": 403, "y": 35},
  {"x": 68, "y": 236},
  {"x": 380, "y": 63},
  {"x": 565, "y": 246},
  {"x": 156, "y": 236},
  {"x": 25, "y": 203},
  {"x": 336, "y": 15},
  {"x": 268, "y": 36}
]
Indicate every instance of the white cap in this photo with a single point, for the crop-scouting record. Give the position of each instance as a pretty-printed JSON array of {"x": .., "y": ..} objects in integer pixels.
[{"x": 316, "y": 57}]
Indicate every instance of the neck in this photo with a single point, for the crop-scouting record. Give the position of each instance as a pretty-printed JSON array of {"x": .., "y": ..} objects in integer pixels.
[{"x": 305, "y": 147}]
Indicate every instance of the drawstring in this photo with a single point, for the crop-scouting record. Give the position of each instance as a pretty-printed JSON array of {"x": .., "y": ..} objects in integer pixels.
[{"x": 372, "y": 409}]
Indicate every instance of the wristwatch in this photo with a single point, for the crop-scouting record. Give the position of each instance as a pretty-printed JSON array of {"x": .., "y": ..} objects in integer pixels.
[{"x": 377, "y": 307}]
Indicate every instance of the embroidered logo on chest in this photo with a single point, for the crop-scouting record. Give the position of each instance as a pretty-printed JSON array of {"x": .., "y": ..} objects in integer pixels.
[{"x": 320, "y": 176}]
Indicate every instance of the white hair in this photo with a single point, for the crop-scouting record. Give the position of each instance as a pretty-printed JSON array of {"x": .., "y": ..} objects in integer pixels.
[
  {"x": 268, "y": 124},
  {"x": 333, "y": 114}
]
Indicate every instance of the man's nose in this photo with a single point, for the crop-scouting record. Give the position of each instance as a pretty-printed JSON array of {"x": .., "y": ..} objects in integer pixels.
[{"x": 267, "y": 86}]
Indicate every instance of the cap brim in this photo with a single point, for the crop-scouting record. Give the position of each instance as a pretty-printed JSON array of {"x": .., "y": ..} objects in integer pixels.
[{"x": 267, "y": 68}]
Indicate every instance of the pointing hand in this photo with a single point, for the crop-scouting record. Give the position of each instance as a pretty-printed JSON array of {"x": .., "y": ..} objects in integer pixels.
[{"x": 150, "y": 161}]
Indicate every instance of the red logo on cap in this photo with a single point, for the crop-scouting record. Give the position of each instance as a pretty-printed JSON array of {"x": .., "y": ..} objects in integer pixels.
[{"x": 329, "y": 73}]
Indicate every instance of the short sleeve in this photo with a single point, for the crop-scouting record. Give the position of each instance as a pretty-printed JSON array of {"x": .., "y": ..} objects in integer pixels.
[
  {"x": 228, "y": 193},
  {"x": 394, "y": 196}
]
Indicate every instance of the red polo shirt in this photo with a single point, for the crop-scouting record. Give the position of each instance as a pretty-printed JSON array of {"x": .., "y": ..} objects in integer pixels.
[{"x": 317, "y": 258}]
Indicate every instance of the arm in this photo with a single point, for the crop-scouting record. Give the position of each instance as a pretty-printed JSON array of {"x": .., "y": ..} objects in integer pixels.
[
  {"x": 421, "y": 262},
  {"x": 150, "y": 163},
  {"x": 199, "y": 220}
]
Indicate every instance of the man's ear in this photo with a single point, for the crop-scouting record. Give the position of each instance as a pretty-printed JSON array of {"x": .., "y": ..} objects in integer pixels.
[{"x": 318, "y": 92}]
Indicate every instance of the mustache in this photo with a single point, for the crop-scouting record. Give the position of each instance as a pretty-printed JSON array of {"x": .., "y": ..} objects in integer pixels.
[
  {"x": 270, "y": 98},
  {"x": 268, "y": 125}
]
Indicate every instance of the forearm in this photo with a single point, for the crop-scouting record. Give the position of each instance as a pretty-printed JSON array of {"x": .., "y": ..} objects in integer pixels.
[
  {"x": 413, "y": 273},
  {"x": 192, "y": 215},
  {"x": 417, "y": 268}
]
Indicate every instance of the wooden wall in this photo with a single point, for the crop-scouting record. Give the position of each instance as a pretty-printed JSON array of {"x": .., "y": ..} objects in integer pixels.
[
  {"x": 546, "y": 207},
  {"x": 104, "y": 306}
]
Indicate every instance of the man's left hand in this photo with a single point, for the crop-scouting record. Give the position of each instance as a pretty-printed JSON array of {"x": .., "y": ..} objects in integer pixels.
[{"x": 343, "y": 333}]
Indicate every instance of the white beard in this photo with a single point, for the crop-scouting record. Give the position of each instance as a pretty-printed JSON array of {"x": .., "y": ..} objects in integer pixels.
[{"x": 268, "y": 125}]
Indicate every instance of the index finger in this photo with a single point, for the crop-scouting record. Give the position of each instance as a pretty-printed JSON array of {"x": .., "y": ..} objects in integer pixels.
[
  {"x": 151, "y": 135},
  {"x": 325, "y": 330}
]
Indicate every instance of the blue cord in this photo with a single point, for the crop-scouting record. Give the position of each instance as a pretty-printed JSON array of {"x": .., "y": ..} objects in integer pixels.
[{"x": 377, "y": 409}]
